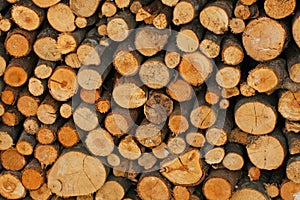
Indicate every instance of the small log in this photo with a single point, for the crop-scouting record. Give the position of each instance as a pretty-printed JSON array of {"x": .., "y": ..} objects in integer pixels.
[
  {"x": 149, "y": 41},
  {"x": 232, "y": 51},
  {"x": 119, "y": 25},
  {"x": 119, "y": 121},
  {"x": 12, "y": 160},
  {"x": 233, "y": 160},
  {"x": 214, "y": 155},
  {"x": 257, "y": 45},
  {"x": 230, "y": 92},
  {"x": 43, "y": 193},
  {"x": 37, "y": 87},
  {"x": 12, "y": 117},
  {"x": 19, "y": 70},
  {"x": 66, "y": 110},
  {"x": 154, "y": 73},
  {"x": 47, "y": 110},
  {"x": 135, "y": 6},
  {"x": 179, "y": 90},
  {"x": 67, "y": 135},
  {"x": 228, "y": 76},
  {"x": 161, "y": 151},
  {"x": 275, "y": 71},
  {"x": 147, "y": 161},
  {"x": 185, "y": 11},
  {"x": 220, "y": 184},
  {"x": 182, "y": 193},
  {"x": 25, "y": 144},
  {"x": 248, "y": 2},
  {"x": 123, "y": 3},
  {"x": 158, "y": 107},
  {"x": 9, "y": 95},
  {"x": 292, "y": 167},
  {"x": 88, "y": 177},
  {"x": 195, "y": 68},
  {"x": 246, "y": 90},
  {"x": 45, "y": 45},
  {"x": 67, "y": 24},
  {"x": 176, "y": 145},
  {"x": 44, "y": 69},
  {"x": 129, "y": 148},
  {"x": 2, "y": 109},
  {"x": 293, "y": 62},
  {"x": 18, "y": 42},
  {"x": 108, "y": 9},
  {"x": 45, "y": 4},
  {"x": 127, "y": 169},
  {"x": 279, "y": 10},
  {"x": 253, "y": 172},
  {"x": 32, "y": 176},
  {"x": 113, "y": 188},
  {"x": 68, "y": 42},
  {"x": 72, "y": 60},
  {"x": 84, "y": 22},
  {"x": 163, "y": 19},
  {"x": 113, "y": 160},
  {"x": 89, "y": 96},
  {"x": 195, "y": 139},
  {"x": 245, "y": 12},
  {"x": 178, "y": 171},
  {"x": 6, "y": 22},
  {"x": 219, "y": 12},
  {"x": 291, "y": 126},
  {"x": 210, "y": 45},
  {"x": 47, "y": 134},
  {"x": 295, "y": 27},
  {"x": 8, "y": 136},
  {"x": 11, "y": 185},
  {"x": 31, "y": 125},
  {"x": 237, "y": 25},
  {"x": 252, "y": 114},
  {"x": 288, "y": 105},
  {"x": 46, "y": 154},
  {"x": 103, "y": 104},
  {"x": 160, "y": 188},
  {"x": 3, "y": 59},
  {"x": 84, "y": 10},
  {"x": 178, "y": 120},
  {"x": 99, "y": 142},
  {"x": 274, "y": 143},
  {"x": 252, "y": 189},
  {"x": 27, "y": 104},
  {"x": 24, "y": 10},
  {"x": 172, "y": 54},
  {"x": 293, "y": 141},
  {"x": 289, "y": 189}
]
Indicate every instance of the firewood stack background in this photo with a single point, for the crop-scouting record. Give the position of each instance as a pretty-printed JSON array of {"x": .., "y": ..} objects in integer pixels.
[{"x": 141, "y": 99}]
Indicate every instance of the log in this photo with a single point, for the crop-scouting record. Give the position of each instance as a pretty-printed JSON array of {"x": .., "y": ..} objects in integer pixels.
[
  {"x": 176, "y": 145},
  {"x": 84, "y": 10},
  {"x": 158, "y": 107},
  {"x": 19, "y": 70},
  {"x": 248, "y": 2},
  {"x": 68, "y": 42},
  {"x": 210, "y": 45},
  {"x": 113, "y": 160},
  {"x": 67, "y": 135},
  {"x": 233, "y": 160},
  {"x": 163, "y": 19},
  {"x": 274, "y": 71},
  {"x": 27, "y": 15},
  {"x": 45, "y": 45},
  {"x": 123, "y": 3},
  {"x": 82, "y": 22},
  {"x": 31, "y": 125},
  {"x": 172, "y": 54},
  {"x": 237, "y": 25},
  {"x": 228, "y": 76},
  {"x": 289, "y": 190},
  {"x": 3, "y": 60},
  {"x": 11, "y": 185},
  {"x": 43, "y": 193},
  {"x": 295, "y": 27},
  {"x": 252, "y": 114},
  {"x": 12, "y": 117},
  {"x": 147, "y": 161},
  {"x": 18, "y": 42},
  {"x": 108, "y": 9},
  {"x": 179, "y": 90},
  {"x": 129, "y": 148},
  {"x": 8, "y": 136},
  {"x": 230, "y": 92},
  {"x": 25, "y": 144},
  {"x": 292, "y": 167},
  {"x": 245, "y": 12},
  {"x": 44, "y": 69},
  {"x": 47, "y": 110},
  {"x": 72, "y": 60},
  {"x": 46, "y": 154},
  {"x": 292, "y": 126},
  {"x": 103, "y": 104},
  {"x": 62, "y": 83},
  {"x": 288, "y": 105},
  {"x": 99, "y": 142},
  {"x": 113, "y": 188},
  {"x": 12, "y": 160},
  {"x": 45, "y": 4},
  {"x": 47, "y": 134},
  {"x": 246, "y": 90},
  {"x": 279, "y": 10},
  {"x": 178, "y": 120},
  {"x": 254, "y": 173},
  {"x": 213, "y": 155},
  {"x": 257, "y": 46},
  {"x": 293, "y": 141},
  {"x": 149, "y": 12},
  {"x": 220, "y": 13},
  {"x": 135, "y": 6},
  {"x": 88, "y": 176},
  {"x": 5, "y": 22},
  {"x": 85, "y": 117},
  {"x": 220, "y": 184},
  {"x": 253, "y": 189},
  {"x": 9, "y": 95},
  {"x": 178, "y": 171},
  {"x": 32, "y": 176},
  {"x": 232, "y": 51},
  {"x": 195, "y": 139},
  {"x": 37, "y": 87},
  {"x": 119, "y": 26},
  {"x": 161, "y": 151},
  {"x": 27, "y": 104},
  {"x": 54, "y": 17},
  {"x": 160, "y": 188},
  {"x": 293, "y": 61}
]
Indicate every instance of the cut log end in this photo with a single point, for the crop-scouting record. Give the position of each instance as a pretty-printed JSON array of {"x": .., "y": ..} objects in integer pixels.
[
  {"x": 279, "y": 10},
  {"x": 25, "y": 17},
  {"x": 183, "y": 13}
]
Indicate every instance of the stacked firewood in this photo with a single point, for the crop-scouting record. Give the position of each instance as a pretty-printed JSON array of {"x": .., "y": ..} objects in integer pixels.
[{"x": 141, "y": 99}]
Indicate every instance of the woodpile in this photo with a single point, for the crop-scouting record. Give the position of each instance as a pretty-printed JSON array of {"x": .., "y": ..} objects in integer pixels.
[{"x": 141, "y": 99}]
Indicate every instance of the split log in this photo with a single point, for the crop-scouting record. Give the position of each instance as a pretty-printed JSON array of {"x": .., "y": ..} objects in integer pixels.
[
  {"x": 178, "y": 171},
  {"x": 67, "y": 24},
  {"x": 46, "y": 154},
  {"x": 25, "y": 144},
  {"x": 213, "y": 155},
  {"x": 45, "y": 45},
  {"x": 67, "y": 135},
  {"x": 158, "y": 107},
  {"x": 232, "y": 51},
  {"x": 252, "y": 190},
  {"x": 12, "y": 160},
  {"x": 12, "y": 117},
  {"x": 27, "y": 15},
  {"x": 47, "y": 110},
  {"x": 160, "y": 188},
  {"x": 163, "y": 19},
  {"x": 99, "y": 142},
  {"x": 8, "y": 136},
  {"x": 31, "y": 125},
  {"x": 11, "y": 185},
  {"x": 256, "y": 115},
  {"x": 18, "y": 42},
  {"x": 289, "y": 190},
  {"x": 32, "y": 176},
  {"x": 210, "y": 45},
  {"x": 288, "y": 105},
  {"x": 220, "y": 184},
  {"x": 228, "y": 76},
  {"x": 87, "y": 177},
  {"x": 267, "y": 77},
  {"x": 279, "y": 10},
  {"x": 44, "y": 69},
  {"x": 45, "y": 4},
  {"x": 258, "y": 46},
  {"x": 84, "y": 10},
  {"x": 68, "y": 42},
  {"x": 245, "y": 12},
  {"x": 233, "y": 160},
  {"x": 19, "y": 70},
  {"x": 43, "y": 193},
  {"x": 220, "y": 13}
]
